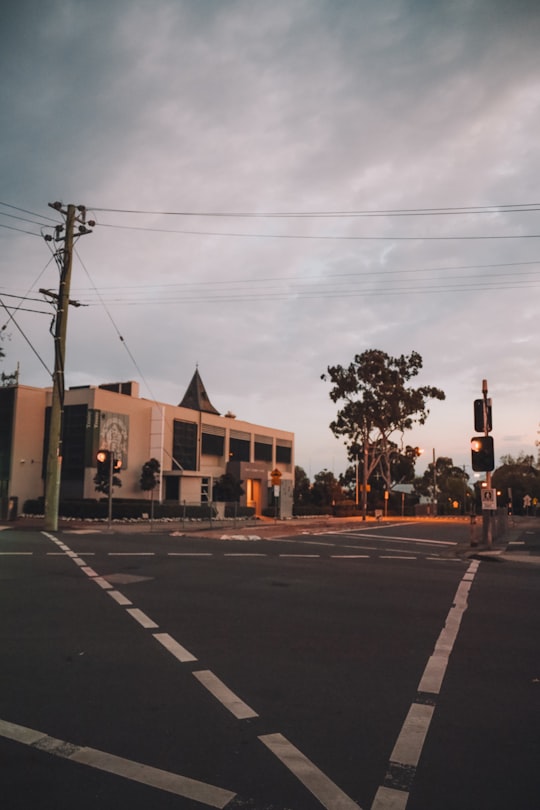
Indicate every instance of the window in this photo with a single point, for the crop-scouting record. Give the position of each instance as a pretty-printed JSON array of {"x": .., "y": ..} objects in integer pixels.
[
  {"x": 184, "y": 445},
  {"x": 239, "y": 446},
  {"x": 283, "y": 454},
  {"x": 263, "y": 448},
  {"x": 213, "y": 441}
]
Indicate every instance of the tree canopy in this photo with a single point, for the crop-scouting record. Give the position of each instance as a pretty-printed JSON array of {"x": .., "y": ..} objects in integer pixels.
[{"x": 378, "y": 407}]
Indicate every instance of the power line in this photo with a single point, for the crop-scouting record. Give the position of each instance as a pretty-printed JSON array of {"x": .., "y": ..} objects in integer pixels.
[
  {"x": 21, "y": 230},
  {"x": 319, "y": 237},
  {"x": 12, "y": 319},
  {"x": 275, "y": 279},
  {"x": 25, "y": 211},
  {"x": 391, "y": 212}
]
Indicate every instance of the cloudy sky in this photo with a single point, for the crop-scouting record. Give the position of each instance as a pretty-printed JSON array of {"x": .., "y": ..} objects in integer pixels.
[{"x": 277, "y": 187}]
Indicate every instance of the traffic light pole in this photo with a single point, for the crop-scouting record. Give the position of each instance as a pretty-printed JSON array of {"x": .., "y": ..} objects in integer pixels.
[
  {"x": 111, "y": 468},
  {"x": 487, "y": 517}
]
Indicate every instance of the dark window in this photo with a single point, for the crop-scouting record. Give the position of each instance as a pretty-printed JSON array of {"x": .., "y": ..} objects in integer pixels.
[
  {"x": 239, "y": 449},
  {"x": 74, "y": 441},
  {"x": 172, "y": 489},
  {"x": 263, "y": 452},
  {"x": 213, "y": 445},
  {"x": 184, "y": 445},
  {"x": 283, "y": 454},
  {"x": 7, "y": 400}
]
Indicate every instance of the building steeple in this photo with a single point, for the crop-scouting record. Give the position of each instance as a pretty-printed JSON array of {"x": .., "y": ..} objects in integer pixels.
[{"x": 196, "y": 397}]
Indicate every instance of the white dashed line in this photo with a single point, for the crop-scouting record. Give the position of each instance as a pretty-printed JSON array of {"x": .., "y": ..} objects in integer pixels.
[
  {"x": 226, "y": 697},
  {"x": 144, "y": 620},
  {"x": 119, "y": 598},
  {"x": 176, "y": 649},
  {"x": 408, "y": 747}
]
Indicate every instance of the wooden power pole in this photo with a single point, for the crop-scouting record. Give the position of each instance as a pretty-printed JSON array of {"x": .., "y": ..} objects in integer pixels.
[{"x": 64, "y": 259}]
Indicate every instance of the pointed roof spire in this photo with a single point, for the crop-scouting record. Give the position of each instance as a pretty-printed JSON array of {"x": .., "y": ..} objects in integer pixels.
[{"x": 196, "y": 397}]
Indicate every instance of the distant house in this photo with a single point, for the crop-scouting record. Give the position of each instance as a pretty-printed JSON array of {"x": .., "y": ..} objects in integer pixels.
[{"x": 193, "y": 443}]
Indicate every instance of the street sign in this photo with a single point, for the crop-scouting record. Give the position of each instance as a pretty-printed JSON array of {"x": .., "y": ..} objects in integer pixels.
[
  {"x": 489, "y": 499},
  {"x": 275, "y": 477}
]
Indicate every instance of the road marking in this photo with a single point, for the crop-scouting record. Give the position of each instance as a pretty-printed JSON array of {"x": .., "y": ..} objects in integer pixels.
[
  {"x": 176, "y": 649},
  {"x": 89, "y": 571},
  {"x": 131, "y": 553},
  {"x": 16, "y": 553},
  {"x": 102, "y": 582},
  {"x": 395, "y": 557},
  {"x": 402, "y": 539},
  {"x": 302, "y": 556},
  {"x": 393, "y": 794},
  {"x": 328, "y": 794},
  {"x": 119, "y": 598},
  {"x": 349, "y": 556},
  {"x": 225, "y": 696},
  {"x": 142, "y": 618},
  {"x": 125, "y": 768}
]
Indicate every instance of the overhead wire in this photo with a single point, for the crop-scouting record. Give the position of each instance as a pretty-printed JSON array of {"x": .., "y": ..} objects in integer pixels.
[{"x": 391, "y": 212}]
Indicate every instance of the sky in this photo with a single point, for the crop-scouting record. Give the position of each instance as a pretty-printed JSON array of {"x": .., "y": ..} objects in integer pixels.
[{"x": 278, "y": 187}]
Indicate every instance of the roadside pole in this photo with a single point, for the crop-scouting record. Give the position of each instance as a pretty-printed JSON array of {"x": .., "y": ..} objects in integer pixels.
[{"x": 64, "y": 259}]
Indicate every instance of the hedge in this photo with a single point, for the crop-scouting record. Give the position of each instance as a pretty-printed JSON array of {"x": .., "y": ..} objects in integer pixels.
[{"x": 124, "y": 509}]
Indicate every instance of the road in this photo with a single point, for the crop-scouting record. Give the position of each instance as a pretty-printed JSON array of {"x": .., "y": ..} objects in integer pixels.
[{"x": 369, "y": 668}]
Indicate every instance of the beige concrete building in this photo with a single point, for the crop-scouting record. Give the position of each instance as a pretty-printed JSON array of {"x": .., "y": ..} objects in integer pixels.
[{"x": 193, "y": 443}]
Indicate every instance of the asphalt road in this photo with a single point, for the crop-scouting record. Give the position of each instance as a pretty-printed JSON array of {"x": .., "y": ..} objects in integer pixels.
[{"x": 370, "y": 667}]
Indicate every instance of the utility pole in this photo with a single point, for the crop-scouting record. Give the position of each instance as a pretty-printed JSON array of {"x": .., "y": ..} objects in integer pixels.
[{"x": 64, "y": 259}]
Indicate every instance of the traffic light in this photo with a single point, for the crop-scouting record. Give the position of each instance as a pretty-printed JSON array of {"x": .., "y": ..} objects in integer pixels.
[
  {"x": 479, "y": 416},
  {"x": 103, "y": 458},
  {"x": 483, "y": 453}
]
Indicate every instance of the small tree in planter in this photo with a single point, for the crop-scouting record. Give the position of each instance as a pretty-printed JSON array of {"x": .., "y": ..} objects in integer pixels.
[
  {"x": 150, "y": 479},
  {"x": 227, "y": 488}
]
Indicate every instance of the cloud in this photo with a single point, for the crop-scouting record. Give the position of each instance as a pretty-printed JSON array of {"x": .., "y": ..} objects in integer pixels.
[{"x": 290, "y": 106}]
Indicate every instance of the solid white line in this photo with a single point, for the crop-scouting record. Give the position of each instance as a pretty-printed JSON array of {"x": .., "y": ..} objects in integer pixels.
[
  {"x": 174, "y": 647},
  {"x": 222, "y": 693},
  {"x": 125, "y": 768},
  {"x": 403, "y": 539},
  {"x": 120, "y": 598},
  {"x": 328, "y": 794},
  {"x": 142, "y": 618}
]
